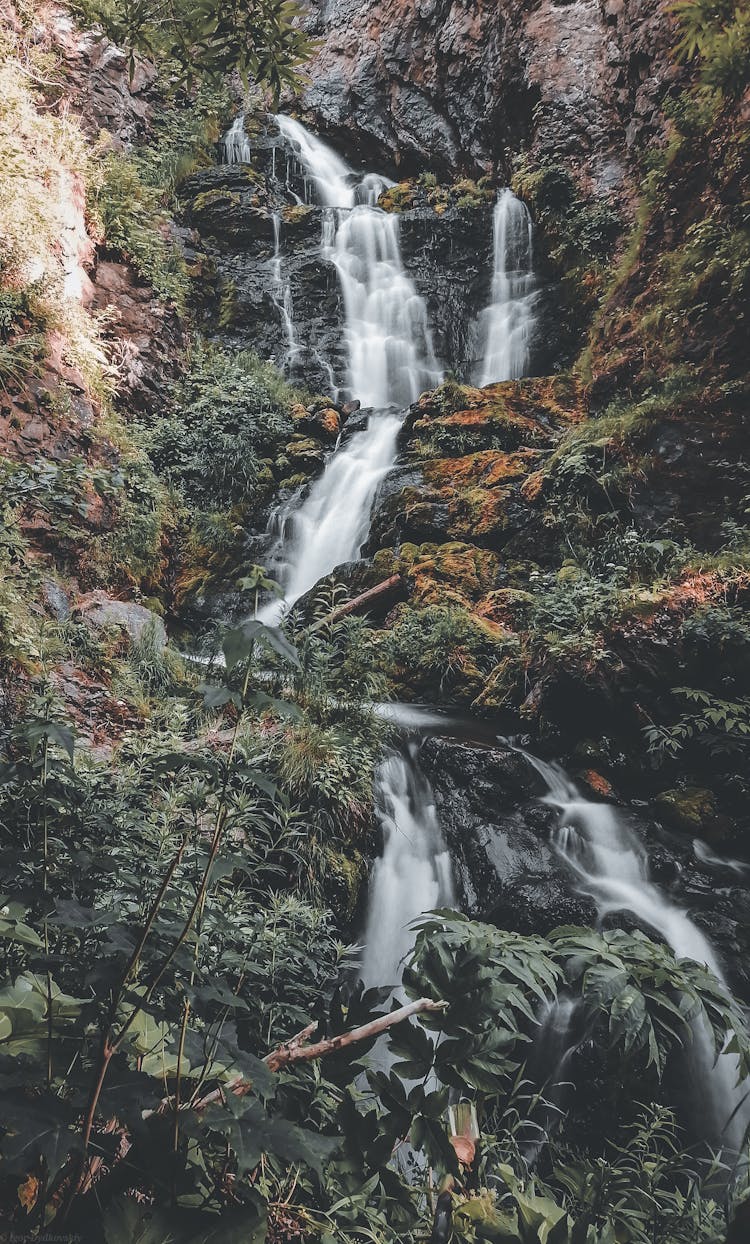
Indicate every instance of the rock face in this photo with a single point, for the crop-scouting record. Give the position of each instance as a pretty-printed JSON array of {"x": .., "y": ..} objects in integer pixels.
[{"x": 462, "y": 84}]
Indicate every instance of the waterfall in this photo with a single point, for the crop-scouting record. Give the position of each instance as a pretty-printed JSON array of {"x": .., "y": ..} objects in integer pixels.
[
  {"x": 390, "y": 360},
  {"x": 282, "y": 295},
  {"x": 412, "y": 876},
  {"x": 235, "y": 143},
  {"x": 612, "y": 867},
  {"x": 504, "y": 327}
]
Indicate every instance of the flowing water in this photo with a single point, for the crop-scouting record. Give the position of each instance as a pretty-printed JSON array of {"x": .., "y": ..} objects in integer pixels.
[
  {"x": 390, "y": 360},
  {"x": 235, "y": 143},
  {"x": 611, "y": 866},
  {"x": 282, "y": 296},
  {"x": 412, "y": 876},
  {"x": 505, "y": 327}
]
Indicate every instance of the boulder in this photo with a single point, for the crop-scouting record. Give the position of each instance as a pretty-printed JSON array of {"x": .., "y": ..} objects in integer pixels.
[{"x": 100, "y": 610}]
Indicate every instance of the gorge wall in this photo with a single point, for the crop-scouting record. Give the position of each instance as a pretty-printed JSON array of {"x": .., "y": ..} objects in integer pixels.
[{"x": 460, "y": 86}]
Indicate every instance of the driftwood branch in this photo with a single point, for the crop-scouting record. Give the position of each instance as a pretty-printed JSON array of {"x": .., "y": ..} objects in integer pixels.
[{"x": 298, "y": 1051}]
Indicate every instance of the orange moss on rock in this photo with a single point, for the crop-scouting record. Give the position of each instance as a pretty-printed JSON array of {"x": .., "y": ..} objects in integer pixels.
[{"x": 509, "y": 414}]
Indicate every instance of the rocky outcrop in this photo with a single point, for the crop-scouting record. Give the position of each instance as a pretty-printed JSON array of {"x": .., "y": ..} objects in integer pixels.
[
  {"x": 468, "y": 456},
  {"x": 508, "y": 871},
  {"x": 461, "y": 84},
  {"x": 144, "y": 337},
  {"x": 99, "y": 85}
]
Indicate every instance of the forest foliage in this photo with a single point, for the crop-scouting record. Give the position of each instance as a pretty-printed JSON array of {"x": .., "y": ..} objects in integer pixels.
[{"x": 179, "y": 905}]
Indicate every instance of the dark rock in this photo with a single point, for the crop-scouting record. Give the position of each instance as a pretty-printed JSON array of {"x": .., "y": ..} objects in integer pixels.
[
  {"x": 499, "y": 838},
  {"x": 462, "y": 87}
]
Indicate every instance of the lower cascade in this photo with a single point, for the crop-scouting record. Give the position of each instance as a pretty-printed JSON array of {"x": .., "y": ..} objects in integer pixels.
[
  {"x": 412, "y": 876},
  {"x": 611, "y": 866},
  {"x": 504, "y": 328}
]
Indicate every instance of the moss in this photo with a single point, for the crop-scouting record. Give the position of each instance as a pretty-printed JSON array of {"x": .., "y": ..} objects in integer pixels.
[
  {"x": 691, "y": 809},
  {"x": 344, "y": 875},
  {"x": 209, "y": 199},
  {"x": 398, "y": 198},
  {"x": 297, "y": 214},
  {"x": 441, "y": 645}
]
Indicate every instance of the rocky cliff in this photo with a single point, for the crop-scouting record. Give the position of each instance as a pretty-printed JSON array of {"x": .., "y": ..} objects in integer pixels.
[{"x": 456, "y": 85}]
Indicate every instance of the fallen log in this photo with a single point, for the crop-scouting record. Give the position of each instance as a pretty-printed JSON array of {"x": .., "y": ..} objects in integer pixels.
[{"x": 357, "y": 603}]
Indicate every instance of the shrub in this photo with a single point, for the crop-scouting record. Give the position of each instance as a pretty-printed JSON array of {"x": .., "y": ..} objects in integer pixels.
[
  {"x": 133, "y": 221},
  {"x": 227, "y": 417}
]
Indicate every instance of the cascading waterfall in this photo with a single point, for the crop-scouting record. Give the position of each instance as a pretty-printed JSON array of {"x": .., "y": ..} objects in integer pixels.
[
  {"x": 412, "y": 876},
  {"x": 235, "y": 143},
  {"x": 390, "y": 361},
  {"x": 504, "y": 328},
  {"x": 612, "y": 867}
]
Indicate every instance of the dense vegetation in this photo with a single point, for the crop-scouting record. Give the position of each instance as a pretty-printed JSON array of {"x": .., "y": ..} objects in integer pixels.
[{"x": 185, "y": 844}]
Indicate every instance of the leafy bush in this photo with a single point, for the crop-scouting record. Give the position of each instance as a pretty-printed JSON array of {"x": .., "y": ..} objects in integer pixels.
[
  {"x": 133, "y": 222},
  {"x": 716, "y": 33},
  {"x": 227, "y": 418}
]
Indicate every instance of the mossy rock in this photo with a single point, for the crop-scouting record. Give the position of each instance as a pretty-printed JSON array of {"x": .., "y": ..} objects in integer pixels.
[
  {"x": 692, "y": 810},
  {"x": 208, "y": 200},
  {"x": 344, "y": 875},
  {"x": 297, "y": 214}
]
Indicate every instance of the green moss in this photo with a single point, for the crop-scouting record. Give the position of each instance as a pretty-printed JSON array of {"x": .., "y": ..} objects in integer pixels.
[
  {"x": 297, "y": 214},
  {"x": 214, "y": 198},
  {"x": 690, "y": 809},
  {"x": 344, "y": 875}
]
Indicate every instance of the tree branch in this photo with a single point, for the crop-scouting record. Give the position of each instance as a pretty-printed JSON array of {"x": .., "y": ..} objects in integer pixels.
[{"x": 298, "y": 1051}]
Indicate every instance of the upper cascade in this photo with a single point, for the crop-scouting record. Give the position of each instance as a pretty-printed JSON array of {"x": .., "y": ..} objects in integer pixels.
[
  {"x": 390, "y": 356},
  {"x": 390, "y": 361},
  {"x": 235, "y": 143},
  {"x": 332, "y": 177},
  {"x": 505, "y": 326}
]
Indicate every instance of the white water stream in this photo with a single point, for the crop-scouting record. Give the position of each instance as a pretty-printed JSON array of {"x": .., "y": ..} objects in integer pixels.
[
  {"x": 504, "y": 328},
  {"x": 282, "y": 296},
  {"x": 390, "y": 360},
  {"x": 612, "y": 866},
  {"x": 412, "y": 876},
  {"x": 237, "y": 149}
]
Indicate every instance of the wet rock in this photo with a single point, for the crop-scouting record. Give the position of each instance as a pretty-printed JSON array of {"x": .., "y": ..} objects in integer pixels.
[
  {"x": 693, "y": 811},
  {"x": 507, "y": 871},
  {"x": 356, "y": 423}
]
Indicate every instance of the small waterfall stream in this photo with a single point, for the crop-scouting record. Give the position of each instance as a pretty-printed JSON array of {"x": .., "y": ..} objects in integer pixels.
[
  {"x": 611, "y": 866},
  {"x": 414, "y": 873},
  {"x": 282, "y": 295},
  {"x": 504, "y": 328},
  {"x": 235, "y": 144},
  {"x": 390, "y": 361}
]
